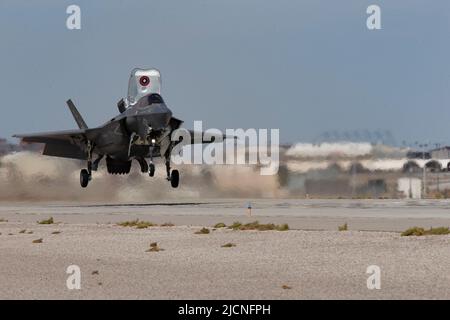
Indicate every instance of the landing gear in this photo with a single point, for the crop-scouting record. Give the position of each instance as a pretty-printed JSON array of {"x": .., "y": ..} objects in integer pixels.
[
  {"x": 86, "y": 174},
  {"x": 96, "y": 162},
  {"x": 151, "y": 166},
  {"x": 174, "y": 176},
  {"x": 85, "y": 177},
  {"x": 151, "y": 169}
]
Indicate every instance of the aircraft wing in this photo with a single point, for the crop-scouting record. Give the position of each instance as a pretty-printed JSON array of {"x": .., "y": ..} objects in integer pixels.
[{"x": 66, "y": 144}]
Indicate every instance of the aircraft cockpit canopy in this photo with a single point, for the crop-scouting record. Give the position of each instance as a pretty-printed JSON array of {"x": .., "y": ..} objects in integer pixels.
[{"x": 143, "y": 82}]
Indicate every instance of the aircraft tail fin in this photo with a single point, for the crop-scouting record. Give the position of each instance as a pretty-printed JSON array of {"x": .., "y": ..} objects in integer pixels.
[{"x": 76, "y": 115}]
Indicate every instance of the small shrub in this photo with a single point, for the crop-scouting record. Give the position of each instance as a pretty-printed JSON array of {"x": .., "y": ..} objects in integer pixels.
[
  {"x": 255, "y": 225},
  {"x": 38, "y": 240},
  {"x": 154, "y": 247},
  {"x": 220, "y": 225},
  {"x": 344, "y": 227},
  {"x": 283, "y": 227},
  {"x": 167, "y": 224},
  {"x": 144, "y": 225},
  {"x": 131, "y": 223},
  {"x": 228, "y": 245},
  {"x": 414, "y": 231},
  {"x": 22, "y": 231},
  {"x": 3, "y": 220},
  {"x": 48, "y": 221},
  {"x": 438, "y": 231},
  {"x": 235, "y": 226},
  {"x": 286, "y": 287},
  {"x": 136, "y": 223},
  {"x": 417, "y": 231},
  {"x": 203, "y": 231},
  {"x": 56, "y": 232}
]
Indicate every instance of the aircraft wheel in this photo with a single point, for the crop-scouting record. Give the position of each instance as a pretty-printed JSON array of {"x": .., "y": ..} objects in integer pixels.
[
  {"x": 84, "y": 178},
  {"x": 174, "y": 178},
  {"x": 151, "y": 169}
]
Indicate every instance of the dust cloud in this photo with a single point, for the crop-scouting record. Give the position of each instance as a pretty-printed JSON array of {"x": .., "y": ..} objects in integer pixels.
[{"x": 31, "y": 177}]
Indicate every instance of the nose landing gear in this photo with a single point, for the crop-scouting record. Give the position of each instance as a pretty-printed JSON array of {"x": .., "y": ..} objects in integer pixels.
[
  {"x": 151, "y": 169},
  {"x": 86, "y": 174}
]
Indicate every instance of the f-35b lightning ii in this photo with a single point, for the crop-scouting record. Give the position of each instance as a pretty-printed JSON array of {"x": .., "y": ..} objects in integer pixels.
[{"x": 141, "y": 131}]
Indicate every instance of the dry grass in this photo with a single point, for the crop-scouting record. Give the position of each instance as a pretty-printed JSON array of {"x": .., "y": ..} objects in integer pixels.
[
  {"x": 255, "y": 225},
  {"x": 417, "y": 231},
  {"x": 47, "y": 221},
  {"x": 286, "y": 287},
  {"x": 344, "y": 227},
  {"x": 38, "y": 240}
]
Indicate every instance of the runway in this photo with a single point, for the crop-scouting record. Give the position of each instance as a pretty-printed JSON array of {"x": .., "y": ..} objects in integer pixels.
[
  {"x": 311, "y": 261},
  {"x": 305, "y": 214}
]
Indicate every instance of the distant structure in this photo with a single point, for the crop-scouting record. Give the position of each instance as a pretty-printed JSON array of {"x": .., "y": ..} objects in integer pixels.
[
  {"x": 440, "y": 153},
  {"x": 374, "y": 137}
]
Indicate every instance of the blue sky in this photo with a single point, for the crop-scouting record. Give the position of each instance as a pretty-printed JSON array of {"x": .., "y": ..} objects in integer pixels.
[{"x": 304, "y": 67}]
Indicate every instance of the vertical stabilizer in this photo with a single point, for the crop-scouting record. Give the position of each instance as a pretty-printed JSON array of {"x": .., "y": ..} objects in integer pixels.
[{"x": 76, "y": 115}]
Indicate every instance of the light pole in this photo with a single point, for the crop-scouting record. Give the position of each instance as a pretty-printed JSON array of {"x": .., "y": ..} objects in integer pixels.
[
  {"x": 424, "y": 178},
  {"x": 438, "y": 145}
]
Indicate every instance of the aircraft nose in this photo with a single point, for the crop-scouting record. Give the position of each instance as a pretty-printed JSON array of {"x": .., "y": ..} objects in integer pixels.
[
  {"x": 159, "y": 119},
  {"x": 156, "y": 117}
]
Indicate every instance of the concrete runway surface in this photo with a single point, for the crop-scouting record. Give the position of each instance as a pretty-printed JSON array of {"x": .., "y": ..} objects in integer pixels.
[{"x": 313, "y": 259}]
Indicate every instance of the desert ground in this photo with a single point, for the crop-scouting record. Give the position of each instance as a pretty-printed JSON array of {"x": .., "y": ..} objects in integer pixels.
[{"x": 312, "y": 260}]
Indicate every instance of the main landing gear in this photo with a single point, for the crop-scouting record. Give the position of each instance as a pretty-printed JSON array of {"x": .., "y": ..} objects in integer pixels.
[
  {"x": 85, "y": 177},
  {"x": 172, "y": 176},
  {"x": 86, "y": 174}
]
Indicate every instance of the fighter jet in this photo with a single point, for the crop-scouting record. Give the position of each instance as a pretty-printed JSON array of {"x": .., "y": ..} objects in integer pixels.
[{"x": 141, "y": 131}]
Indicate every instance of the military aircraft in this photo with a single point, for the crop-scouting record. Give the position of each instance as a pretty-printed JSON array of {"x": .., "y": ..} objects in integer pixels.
[{"x": 142, "y": 130}]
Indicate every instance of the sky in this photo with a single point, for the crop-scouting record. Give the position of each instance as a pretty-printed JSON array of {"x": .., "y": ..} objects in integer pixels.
[{"x": 304, "y": 67}]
